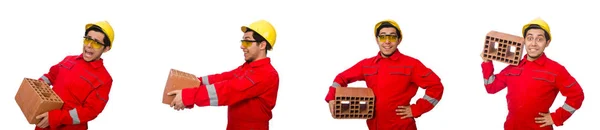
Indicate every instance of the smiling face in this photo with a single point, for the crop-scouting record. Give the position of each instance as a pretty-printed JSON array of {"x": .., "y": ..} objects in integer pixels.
[
  {"x": 252, "y": 49},
  {"x": 93, "y": 46},
  {"x": 388, "y": 41},
  {"x": 535, "y": 43}
]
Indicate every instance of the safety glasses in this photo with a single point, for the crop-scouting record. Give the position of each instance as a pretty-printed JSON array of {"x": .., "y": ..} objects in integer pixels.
[
  {"x": 391, "y": 38},
  {"x": 94, "y": 43},
  {"x": 247, "y": 43}
]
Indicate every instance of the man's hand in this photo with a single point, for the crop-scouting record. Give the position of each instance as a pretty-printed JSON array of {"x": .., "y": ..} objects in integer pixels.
[
  {"x": 43, "y": 120},
  {"x": 545, "y": 120},
  {"x": 484, "y": 58},
  {"x": 177, "y": 103},
  {"x": 404, "y": 111},
  {"x": 331, "y": 108}
]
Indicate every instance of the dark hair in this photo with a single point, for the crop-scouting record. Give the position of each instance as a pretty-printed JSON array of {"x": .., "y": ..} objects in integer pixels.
[
  {"x": 98, "y": 29},
  {"x": 535, "y": 26},
  {"x": 388, "y": 25},
  {"x": 258, "y": 38}
]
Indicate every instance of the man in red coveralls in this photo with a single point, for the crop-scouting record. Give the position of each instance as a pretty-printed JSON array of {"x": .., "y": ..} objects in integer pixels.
[
  {"x": 250, "y": 90},
  {"x": 395, "y": 79},
  {"x": 534, "y": 84},
  {"x": 81, "y": 81}
]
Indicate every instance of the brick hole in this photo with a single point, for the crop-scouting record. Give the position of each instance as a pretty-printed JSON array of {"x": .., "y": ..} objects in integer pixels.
[
  {"x": 496, "y": 44},
  {"x": 345, "y": 106},
  {"x": 516, "y": 58},
  {"x": 503, "y": 54},
  {"x": 492, "y": 38},
  {"x": 487, "y": 37}
]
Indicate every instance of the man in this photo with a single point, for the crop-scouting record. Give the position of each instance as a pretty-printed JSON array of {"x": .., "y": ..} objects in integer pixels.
[
  {"x": 81, "y": 81},
  {"x": 250, "y": 90},
  {"x": 394, "y": 79},
  {"x": 534, "y": 84}
]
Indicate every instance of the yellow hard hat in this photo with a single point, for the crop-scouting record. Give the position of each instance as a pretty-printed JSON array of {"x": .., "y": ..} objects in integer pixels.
[
  {"x": 391, "y": 22},
  {"x": 106, "y": 28},
  {"x": 264, "y": 29},
  {"x": 540, "y": 22}
]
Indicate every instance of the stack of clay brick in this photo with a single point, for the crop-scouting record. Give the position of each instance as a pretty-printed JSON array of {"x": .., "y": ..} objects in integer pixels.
[
  {"x": 35, "y": 97},
  {"x": 178, "y": 80},
  {"x": 354, "y": 103},
  {"x": 498, "y": 47}
]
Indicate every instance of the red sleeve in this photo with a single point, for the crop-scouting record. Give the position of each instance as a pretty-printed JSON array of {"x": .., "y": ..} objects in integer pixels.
[
  {"x": 90, "y": 109},
  {"x": 350, "y": 75},
  {"x": 568, "y": 87},
  {"x": 230, "y": 92},
  {"x": 493, "y": 82},
  {"x": 428, "y": 80},
  {"x": 215, "y": 78},
  {"x": 49, "y": 77}
]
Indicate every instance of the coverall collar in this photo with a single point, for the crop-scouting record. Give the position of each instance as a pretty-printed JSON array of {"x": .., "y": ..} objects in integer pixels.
[
  {"x": 395, "y": 56},
  {"x": 258, "y": 63},
  {"x": 539, "y": 61},
  {"x": 96, "y": 63}
]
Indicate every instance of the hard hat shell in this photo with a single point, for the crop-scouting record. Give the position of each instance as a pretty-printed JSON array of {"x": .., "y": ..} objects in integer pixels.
[
  {"x": 391, "y": 22},
  {"x": 264, "y": 29},
  {"x": 106, "y": 28},
  {"x": 540, "y": 22}
]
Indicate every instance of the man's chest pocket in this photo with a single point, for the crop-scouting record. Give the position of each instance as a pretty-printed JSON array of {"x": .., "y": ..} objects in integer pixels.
[
  {"x": 543, "y": 78},
  {"x": 84, "y": 85},
  {"x": 370, "y": 74},
  {"x": 399, "y": 74}
]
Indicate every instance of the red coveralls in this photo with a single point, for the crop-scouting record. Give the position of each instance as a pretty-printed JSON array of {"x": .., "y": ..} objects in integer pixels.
[
  {"x": 250, "y": 91},
  {"x": 395, "y": 81},
  {"x": 532, "y": 88},
  {"x": 83, "y": 87}
]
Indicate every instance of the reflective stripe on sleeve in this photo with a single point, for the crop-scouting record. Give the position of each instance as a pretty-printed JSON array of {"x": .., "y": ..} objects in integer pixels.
[
  {"x": 431, "y": 100},
  {"x": 74, "y": 116},
  {"x": 212, "y": 95}
]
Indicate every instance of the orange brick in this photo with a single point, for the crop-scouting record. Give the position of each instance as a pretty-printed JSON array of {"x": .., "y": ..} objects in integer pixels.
[
  {"x": 498, "y": 47},
  {"x": 35, "y": 97},
  {"x": 354, "y": 103},
  {"x": 178, "y": 80}
]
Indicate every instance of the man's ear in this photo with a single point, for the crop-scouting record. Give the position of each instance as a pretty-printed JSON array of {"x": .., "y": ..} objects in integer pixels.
[
  {"x": 263, "y": 45},
  {"x": 547, "y": 43},
  {"x": 106, "y": 49}
]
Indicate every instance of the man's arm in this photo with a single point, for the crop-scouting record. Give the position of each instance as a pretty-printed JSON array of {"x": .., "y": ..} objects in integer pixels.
[
  {"x": 50, "y": 77},
  {"x": 568, "y": 87},
  {"x": 90, "y": 109},
  {"x": 493, "y": 82},
  {"x": 215, "y": 78},
  {"x": 428, "y": 80},
  {"x": 229, "y": 92},
  {"x": 348, "y": 76}
]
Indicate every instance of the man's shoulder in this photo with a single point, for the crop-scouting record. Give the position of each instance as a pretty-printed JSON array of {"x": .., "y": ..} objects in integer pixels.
[{"x": 555, "y": 66}]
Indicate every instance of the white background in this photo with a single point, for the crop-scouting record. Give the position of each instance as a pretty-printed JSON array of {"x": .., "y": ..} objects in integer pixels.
[{"x": 316, "y": 40}]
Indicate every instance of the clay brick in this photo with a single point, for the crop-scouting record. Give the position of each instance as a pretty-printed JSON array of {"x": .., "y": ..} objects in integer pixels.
[
  {"x": 35, "y": 97},
  {"x": 498, "y": 47},
  {"x": 178, "y": 80},
  {"x": 354, "y": 103}
]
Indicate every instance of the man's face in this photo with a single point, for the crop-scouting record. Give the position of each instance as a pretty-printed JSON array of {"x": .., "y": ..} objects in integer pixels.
[
  {"x": 93, "y": 46},
  {"x": 535, "y": 42},
  {"x": 250, "y": 47},
  {"x": 388, "y": 41}
]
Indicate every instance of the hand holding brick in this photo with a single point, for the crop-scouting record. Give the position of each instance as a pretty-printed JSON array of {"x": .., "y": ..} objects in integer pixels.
[
  {"x": 178, "y": 80},
  {"x": 354, "y": 103},
  {"x": 35, "y": 97},
  {"x": 498, "y": 47}
]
